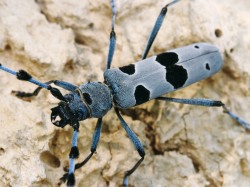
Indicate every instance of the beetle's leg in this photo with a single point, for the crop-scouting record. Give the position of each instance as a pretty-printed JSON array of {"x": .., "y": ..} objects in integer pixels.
[
  {"x": 24, "y": 76},
  {"x": 208, "y": 103},
  {"x": 138, "y": 145},
  {"x": 65, "y": 85},
  {"x": 74, "y": 153},
  {"x": 157, "y": 27},
  {"x": 112, "y": 40},
  {"x": 95, "y": 140},
  {"x": 193, "y": 101}
]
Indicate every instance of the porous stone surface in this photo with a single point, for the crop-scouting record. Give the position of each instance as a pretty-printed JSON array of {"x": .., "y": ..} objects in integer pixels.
[{"x": 68, "y": 40}]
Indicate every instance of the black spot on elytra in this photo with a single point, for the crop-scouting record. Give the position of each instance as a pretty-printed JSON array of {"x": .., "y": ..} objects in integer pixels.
[
  {"x": 87, "y": 98},
  {"x": 175, "y": 74},
  {"x": 207, "y": 66},
  {"x": 167, "y": 59},
  {"x": 141, "y": 94},
  {"x": 129, "y": 69}
]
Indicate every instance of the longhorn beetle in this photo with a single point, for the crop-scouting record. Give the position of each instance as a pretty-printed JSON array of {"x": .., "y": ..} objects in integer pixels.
[{"x": 129, "y": 86}]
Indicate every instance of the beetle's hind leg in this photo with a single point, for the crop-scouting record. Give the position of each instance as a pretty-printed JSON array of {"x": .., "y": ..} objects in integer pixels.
[
  {"x": 208, "y": 103},
  {"x": 236, "y": 118}
]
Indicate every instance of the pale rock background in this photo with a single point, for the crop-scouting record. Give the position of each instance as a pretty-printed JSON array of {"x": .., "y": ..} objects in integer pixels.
[{"x": 68, "y": 40}]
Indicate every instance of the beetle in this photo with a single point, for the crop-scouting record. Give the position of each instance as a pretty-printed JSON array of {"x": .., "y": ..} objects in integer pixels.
[{"x": 129, "y": 86}]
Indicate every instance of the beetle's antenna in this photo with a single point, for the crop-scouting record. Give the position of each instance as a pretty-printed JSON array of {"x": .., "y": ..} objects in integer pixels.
[{"x": 25, "y": 76}]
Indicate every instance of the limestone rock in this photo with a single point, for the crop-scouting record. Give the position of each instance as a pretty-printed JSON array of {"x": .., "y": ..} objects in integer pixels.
[{"x": 68, "y": 40}]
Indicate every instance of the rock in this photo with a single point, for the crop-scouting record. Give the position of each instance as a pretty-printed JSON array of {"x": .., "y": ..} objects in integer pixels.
[{"x": 68, "y": 40}]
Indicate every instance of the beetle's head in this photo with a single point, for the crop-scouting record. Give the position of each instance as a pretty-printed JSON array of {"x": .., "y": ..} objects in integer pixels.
[{"x": 70, "y": 112}]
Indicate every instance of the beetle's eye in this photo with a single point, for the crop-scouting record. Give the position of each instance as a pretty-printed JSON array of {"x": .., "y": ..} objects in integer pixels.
[{"x": 69, "y": 97}]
